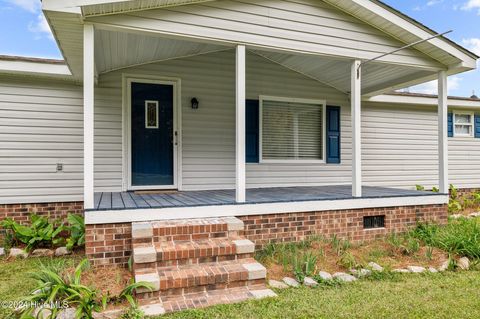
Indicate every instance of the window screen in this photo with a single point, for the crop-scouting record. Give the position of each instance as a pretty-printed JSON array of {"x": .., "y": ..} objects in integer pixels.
[{"x": 292, "y": 131}]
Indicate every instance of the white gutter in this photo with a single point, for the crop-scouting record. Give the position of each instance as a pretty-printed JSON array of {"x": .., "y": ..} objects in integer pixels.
[
  {"x": 421, "y": 100},
  {"x": 34, "y": 68}
]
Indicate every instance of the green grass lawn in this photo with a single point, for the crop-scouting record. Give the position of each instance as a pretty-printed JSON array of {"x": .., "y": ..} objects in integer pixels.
[
  {"x": 447, "y": 295},
  {"x": 15, "y": 281}
]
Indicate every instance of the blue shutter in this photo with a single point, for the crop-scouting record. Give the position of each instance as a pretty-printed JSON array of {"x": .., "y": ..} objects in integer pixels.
[
  {"x": 477, "y": 125},
  {"x": 450, "y": 124},
  {"x": 251, "y": 131},
  {"x": 333, "y": 134}
]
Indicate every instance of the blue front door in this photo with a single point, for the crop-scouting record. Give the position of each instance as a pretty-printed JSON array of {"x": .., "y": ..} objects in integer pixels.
[{"x": 152, "y": 135}]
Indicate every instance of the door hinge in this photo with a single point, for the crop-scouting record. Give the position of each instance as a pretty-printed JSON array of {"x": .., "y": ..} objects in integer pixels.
[{"x": 176, "y": 138}]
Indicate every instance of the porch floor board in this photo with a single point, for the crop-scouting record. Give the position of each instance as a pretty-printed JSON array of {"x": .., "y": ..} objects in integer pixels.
[{"x": 137, "y": 200}]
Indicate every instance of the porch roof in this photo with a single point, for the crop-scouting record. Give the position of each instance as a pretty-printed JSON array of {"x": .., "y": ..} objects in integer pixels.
[{"x": 121, "y": 29}]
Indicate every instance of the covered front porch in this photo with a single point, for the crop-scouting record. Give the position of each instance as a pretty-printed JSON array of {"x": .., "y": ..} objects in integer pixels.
[
  {"x": 198, "y": 134},
  {"x": 142, "y": 206},
  {"x": 168, "y": 199}
]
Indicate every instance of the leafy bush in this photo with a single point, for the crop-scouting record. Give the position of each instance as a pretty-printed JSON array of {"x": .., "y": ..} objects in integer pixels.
[
  {"x": 57, "y": 288},
  {"x": 77, "y": 231},
  {"x": 460, "y": 237},
  {"x": 40, "y": 233}
]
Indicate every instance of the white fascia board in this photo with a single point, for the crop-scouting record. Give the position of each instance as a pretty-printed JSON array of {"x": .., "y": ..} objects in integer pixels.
[
  {"x": 420, "y": 100},
  {"x": 467, "y": 61},
  {"x": 93, "y": 217},
  {"x": 36, "y": 68}
]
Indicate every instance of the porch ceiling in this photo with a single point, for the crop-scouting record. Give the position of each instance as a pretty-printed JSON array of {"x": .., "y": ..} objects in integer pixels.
[{"x": 117, "y": 50}]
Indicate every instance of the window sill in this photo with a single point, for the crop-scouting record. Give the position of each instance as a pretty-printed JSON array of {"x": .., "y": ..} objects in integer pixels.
[{"x": 292, "y": 161}]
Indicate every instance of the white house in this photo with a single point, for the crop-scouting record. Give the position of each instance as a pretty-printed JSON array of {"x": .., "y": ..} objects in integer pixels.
[{"x": 268, "y": 111}]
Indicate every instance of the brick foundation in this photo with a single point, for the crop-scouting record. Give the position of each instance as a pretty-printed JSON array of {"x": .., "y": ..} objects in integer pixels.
[
  {"x": 21, "y": 212},
  {"x": 263, "y": 229},
  {"x": 108, "y": 244},
  {"x": 111, "y": 244}
]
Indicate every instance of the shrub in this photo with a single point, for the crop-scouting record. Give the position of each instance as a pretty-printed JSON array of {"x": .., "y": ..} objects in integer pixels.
[
  {"x": 57, "y": 288},
  {"x": 460, "y": 237},
  {"x": 77, "y": 231},
  {"x": 40, "y": 233}
]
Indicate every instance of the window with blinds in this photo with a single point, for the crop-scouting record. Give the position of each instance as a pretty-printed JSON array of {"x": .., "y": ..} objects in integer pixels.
[{"x": 292, "y": 130}]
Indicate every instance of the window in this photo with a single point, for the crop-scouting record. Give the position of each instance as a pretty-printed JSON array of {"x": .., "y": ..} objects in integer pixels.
[
  {"x": 151, "y": 114},
  {"x": 370, "y": 222},
  {"x": 292, "y": 130},
  {"x": 463, "y": 124}
]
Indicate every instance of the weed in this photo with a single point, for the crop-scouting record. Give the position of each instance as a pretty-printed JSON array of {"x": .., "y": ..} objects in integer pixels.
[
  {"x": 348, "y": 261},
  {"x": 429, "y": 253},
  {"x": 419, "y": 187},
  {"x": 460, "y": 237}
]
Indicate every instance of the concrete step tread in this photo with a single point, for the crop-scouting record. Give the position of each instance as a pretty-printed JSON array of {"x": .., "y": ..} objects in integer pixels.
[
  {"x": 169, "y": 304},
  {"x": 173, "y": 277}
]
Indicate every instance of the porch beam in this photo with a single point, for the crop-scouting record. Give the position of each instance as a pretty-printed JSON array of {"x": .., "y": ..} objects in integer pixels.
[
  {"x": 355, "y": 98},
  {"x": 240, "y": 124},
  {"x": 442, "y": 132},
  {"x": 88, "y": 115}
]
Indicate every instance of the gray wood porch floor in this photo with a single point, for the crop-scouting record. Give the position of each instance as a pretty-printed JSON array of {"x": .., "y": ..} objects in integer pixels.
[{"x": 138, "y": 200}]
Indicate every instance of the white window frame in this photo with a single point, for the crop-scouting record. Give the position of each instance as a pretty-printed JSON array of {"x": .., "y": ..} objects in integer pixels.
[
  {"x": 472, "y": 124},
  {"x": 293, "y": 100},
  {"x": 147, "y": 102}
]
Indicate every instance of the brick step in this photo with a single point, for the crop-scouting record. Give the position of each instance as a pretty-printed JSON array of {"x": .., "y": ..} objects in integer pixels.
[
  {"x": 175, "y": 253},
  {"x": 167, "y": 304},
  {"x": 186, "y": 229},
  {"x": 181, "y": 280}
]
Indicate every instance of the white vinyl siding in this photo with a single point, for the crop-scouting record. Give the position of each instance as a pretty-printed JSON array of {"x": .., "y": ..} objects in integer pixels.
[
  {"x": 208, "y": 151},
  {"x": 41, "y": 125}
]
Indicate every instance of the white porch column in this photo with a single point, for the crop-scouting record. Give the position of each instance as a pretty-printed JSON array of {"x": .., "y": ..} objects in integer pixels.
[
  {"x": 442, "y": 133},
  {"x": 240, "y": 125},
  {"x": 355, "y": 99},
  {"x": 88, "y": 117}
]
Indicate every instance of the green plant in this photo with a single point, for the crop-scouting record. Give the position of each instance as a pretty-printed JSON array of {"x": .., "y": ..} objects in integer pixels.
[
  {"x": 468, "y": 203},
  {"x": 348, "y": 261},
  {"x": 305, "y": 265},
  {"x": 460, "y": 237},
  {"x": 133, "y": 313},
  {"x": 40, "y": 232},
  {"x": 411, "y": 246},
  {"x": 453, "y": 192},
  {"x": 63, "y": 289},
  {"x": 77, "y": 231},
  {"x": 435, "y": 189},
  {"x": 419, "y": 187},
  {"x": 429, "y": 253},
  {"x": 476, "y": 198}
]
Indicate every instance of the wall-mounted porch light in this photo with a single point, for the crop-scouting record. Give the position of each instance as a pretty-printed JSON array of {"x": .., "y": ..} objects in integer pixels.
[{"x": 194, "y": 103}]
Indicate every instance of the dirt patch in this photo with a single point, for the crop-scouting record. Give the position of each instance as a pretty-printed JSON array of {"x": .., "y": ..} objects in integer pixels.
[
  {"x": 333, "y": 259},
  {"x": 108, "y": 281}
]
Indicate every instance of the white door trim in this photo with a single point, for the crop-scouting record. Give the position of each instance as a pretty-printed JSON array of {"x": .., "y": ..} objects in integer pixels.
[{"x": 127, "y": 80}]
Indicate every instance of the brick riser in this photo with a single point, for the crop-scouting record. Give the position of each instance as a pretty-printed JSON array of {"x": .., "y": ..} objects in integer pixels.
[{"x": 193, "y": 262}]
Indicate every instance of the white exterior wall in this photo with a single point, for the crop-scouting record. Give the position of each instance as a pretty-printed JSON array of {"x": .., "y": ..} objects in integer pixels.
[
  {"x": 208, "y": 160},
  {"x": 41, "y": 125}
]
